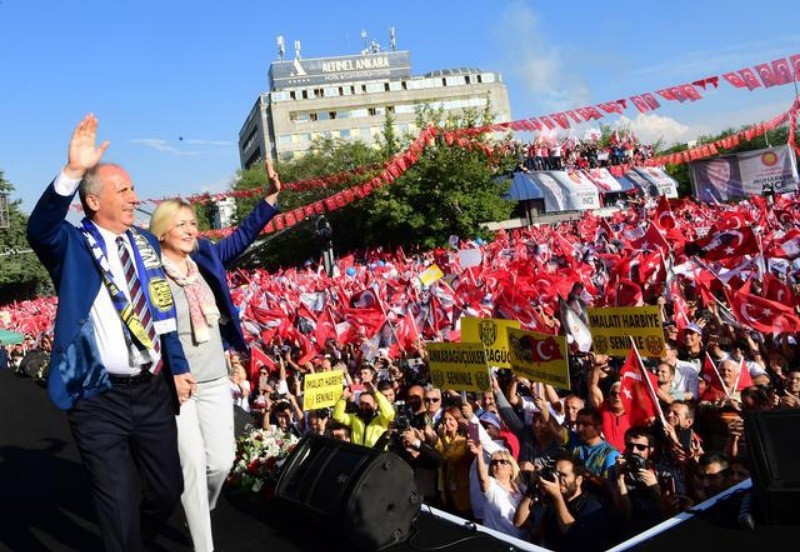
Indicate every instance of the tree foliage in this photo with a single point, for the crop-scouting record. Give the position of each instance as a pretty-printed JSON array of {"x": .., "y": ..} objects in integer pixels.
[
  {"x": 22, "y": 275},
  {"x": 450, "y": 190}
]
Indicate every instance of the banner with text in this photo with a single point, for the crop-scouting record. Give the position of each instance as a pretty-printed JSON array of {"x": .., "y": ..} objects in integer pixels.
[
  {"x": 733, "y": 177},
  {"x": 491, "y": 332},
  {"x": 611, "y": 326},
  {"x": 322, "y": 390},
  {"x": 459, "y": 366},
  {"x": 539, "y": 357}
]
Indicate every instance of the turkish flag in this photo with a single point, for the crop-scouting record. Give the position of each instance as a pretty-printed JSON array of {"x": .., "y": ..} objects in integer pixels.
[
  {"x": 663, "y": 214},
  {"x": 762, "y": 314},
  {"x": 691, "y": 92},
  {"x": 547, "y": 122},
  {"x": 326, "y": 328},
  {"x": 593, "y": 112},
  {"x": 727, "y": 243},
  {"x": 611, "y": 107},
  {"x": 666, "y": 94},
  {"x": 640, "y": 104},
  {"x": 765, "y": 72},
  {"x": 407, "y": 332},
  {"x": 651, "y": 101},
  {"x": 561, "y": 119},
  {"x": 795, "y": 62},
  {"x": 778, "y": 291},
  {"x": 545, "y": 350},
  {"x": 628, "y": 294},
  {"x": 713, "y": 388},
  {"x": 749, "y": 78},
  {"x": 574, "y": 116},
  {"x": 782, "y": 71},
  {"x": 744, "y": 379},
  {"x": 638, "y": 398},
  {"x": 257, "y": 360},
  {"x": 652, "y": 239},
  {"x": 788, "y": 246},
  {"x": 679, "y": 94}
]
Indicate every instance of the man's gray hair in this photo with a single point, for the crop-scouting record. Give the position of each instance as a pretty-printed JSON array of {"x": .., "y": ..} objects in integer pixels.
[{"x": 91, "y": 184}]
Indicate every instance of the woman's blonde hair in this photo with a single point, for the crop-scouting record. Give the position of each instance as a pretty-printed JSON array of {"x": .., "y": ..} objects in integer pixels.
[
  {"x": 161, "y": 220},
  {"x": 505, "y": 455}
]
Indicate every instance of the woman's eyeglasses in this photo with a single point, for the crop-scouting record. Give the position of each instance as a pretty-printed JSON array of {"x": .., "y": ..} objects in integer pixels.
[{"x": 499, "y": 461}]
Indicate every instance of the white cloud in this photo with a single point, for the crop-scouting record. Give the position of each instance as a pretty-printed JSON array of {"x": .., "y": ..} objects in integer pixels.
[
  {"x": 650, "y": 128},
  {"x": 163, "y": 146},
  {"x": 538, "y": 64}
]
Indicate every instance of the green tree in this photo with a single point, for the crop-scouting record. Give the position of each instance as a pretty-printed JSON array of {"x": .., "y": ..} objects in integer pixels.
[
  {"x": 22, "y": 276},
  {"x": 450, "y": 190}
]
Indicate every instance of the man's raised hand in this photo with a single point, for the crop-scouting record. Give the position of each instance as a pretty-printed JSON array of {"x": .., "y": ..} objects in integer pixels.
[
  {"x": 83, "y": 151},
  {"x": 274, "y": 186}
]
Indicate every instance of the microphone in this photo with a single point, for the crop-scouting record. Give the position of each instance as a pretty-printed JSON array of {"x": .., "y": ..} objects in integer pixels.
[{"x": 746, "y": 519}]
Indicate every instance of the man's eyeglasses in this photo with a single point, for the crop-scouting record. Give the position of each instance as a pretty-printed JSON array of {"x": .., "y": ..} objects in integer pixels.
[
  {"x": 431, "y": 399},
  {"x": 637, "y": 446},
  {"x": 499, "y": 461}
]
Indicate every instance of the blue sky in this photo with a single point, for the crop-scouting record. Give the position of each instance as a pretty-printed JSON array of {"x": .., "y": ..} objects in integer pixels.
[{"x": 155, "y": 71}]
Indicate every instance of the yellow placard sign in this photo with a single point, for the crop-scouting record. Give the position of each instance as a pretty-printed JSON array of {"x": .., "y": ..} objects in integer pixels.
[
  {"x": 491, "y": 332},
  {"x": 459, "y": 366},
  {"x": 611, "y": 326},
  {"x": 322, "y": 390},
  {"x": 430, "y": 275},
  {"x": 539, "y": 357}
]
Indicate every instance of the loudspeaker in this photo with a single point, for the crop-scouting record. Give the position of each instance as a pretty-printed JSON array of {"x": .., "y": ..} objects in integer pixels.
[
  {"x": 774, "y": 453},
  {"x": 364, "y": 495}
]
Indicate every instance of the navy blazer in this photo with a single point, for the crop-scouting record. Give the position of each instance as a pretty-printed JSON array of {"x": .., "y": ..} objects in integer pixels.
[
  {"x": 76, "y": 371},
  {"x": 213, "y": 259}
]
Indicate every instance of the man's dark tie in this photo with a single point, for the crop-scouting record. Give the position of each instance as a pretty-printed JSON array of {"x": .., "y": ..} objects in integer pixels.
[{"x": 138, "y": 300}]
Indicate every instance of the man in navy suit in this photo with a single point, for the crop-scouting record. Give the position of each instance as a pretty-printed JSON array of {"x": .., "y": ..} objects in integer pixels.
[{"x": 114, "y": 331}]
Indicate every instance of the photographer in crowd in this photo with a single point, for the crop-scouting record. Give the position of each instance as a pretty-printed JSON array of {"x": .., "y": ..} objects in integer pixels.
[
  {"x": 634, "y": 482},
  {"x": 559, "y": 514}
]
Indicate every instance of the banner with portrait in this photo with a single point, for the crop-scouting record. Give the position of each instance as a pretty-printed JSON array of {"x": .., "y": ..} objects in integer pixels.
[{"x": 748, "y": 173}]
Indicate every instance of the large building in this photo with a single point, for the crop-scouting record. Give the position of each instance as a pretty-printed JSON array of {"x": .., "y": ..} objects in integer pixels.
[{"x": 349, "y": 96}]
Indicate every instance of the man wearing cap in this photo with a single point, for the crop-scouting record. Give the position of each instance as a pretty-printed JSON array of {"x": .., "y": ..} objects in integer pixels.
[
  {"x": 499, "y": 433},
  {"x": 693, "y": 350}
]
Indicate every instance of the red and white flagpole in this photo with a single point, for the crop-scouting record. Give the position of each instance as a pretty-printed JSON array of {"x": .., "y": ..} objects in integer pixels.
[{"x": 649, "y": 383}]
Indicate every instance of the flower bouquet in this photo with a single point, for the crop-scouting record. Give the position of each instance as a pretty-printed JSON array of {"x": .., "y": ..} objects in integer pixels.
[{"x": 260, "y": 456}]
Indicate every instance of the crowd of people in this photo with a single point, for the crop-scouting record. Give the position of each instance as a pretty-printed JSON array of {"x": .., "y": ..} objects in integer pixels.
[
  {"x": 549, "y": 152},
  {"x": 564, "y": 468}
]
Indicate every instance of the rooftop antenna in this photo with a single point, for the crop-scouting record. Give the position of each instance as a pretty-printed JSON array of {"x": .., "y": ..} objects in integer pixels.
[
  {"x": 281, "y": 47},
  {"x": 392, "y": 39},
  {"x": 296, "y": 49},
  {"x": 364, "y": 40}
]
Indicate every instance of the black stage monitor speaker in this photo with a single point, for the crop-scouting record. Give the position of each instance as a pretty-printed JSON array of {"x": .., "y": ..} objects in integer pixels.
[
  {"x": 364, "y": 495},
  {"x": 774, "y": 452}
]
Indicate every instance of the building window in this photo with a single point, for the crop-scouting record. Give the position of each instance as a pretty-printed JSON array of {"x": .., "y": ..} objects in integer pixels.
[
  {"x": 386, "y": 87},
  {"x": 479, "y": 79},
  {"x": 404, "y": 85},
  {"x": 331, "y": 114},
  {"x": 312, "y": 116},
  {"x": 444, "y": 82},
  {"x": 305, "y": 94},
  {"x": 389, "y": 109},
  {"x": 372, "y": 111},
  {"x": 466, "y": 79},
  {"x": 344, "y": 133},
  {"x": 293, "y": 95},
  {"x": 284, "y": 139}
]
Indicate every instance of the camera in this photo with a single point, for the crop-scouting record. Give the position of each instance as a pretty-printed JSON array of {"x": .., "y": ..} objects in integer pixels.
[
  {"x": 633, "y": 463},
  {"x": 401, "y": 420}
]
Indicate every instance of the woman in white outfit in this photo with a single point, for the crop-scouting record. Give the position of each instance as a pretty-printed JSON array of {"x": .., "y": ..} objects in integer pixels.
[{"x": 207, "y": 324}]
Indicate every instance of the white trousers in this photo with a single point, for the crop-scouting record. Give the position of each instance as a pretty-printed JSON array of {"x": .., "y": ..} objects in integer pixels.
[{"x": 207, "y": 449}]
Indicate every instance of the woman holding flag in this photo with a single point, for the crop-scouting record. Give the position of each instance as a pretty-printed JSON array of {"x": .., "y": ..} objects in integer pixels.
[{"x": 207, "y": 324}]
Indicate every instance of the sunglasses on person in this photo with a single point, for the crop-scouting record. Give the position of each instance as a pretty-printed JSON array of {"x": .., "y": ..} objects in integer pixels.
[
  {"x": 431, "y": 399},
  {"x": 638, "y": 446},
  {"x": 499, "y": 462}
]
